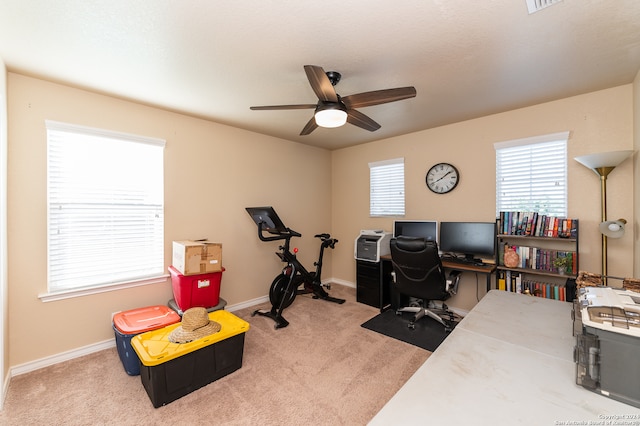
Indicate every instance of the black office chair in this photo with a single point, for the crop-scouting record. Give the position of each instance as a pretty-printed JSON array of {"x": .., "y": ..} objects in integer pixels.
[{"x": 418, "y": 274}]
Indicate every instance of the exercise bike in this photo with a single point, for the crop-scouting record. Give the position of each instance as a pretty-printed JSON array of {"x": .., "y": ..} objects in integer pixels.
[{"x": 285, "y": 287}]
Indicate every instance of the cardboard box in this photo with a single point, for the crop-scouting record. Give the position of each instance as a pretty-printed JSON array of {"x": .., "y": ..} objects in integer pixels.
[{"x": 197, "y": 257}]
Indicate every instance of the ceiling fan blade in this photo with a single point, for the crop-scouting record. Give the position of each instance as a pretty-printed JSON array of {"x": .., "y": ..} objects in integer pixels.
[
  {"x": 378, "y": 97},
  {"x": 359, "y": 119},
  {"x": 309, "y": 127},
  {"x": 320, "y": 83},
  {"x": 274, "y": 107}
]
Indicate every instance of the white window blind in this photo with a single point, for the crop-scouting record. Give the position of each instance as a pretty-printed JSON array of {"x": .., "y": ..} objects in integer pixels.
[
  {"x": 105, "y": 207},
  {"x": 386, "y": 187},
  {"x": 531, "y": 175}
]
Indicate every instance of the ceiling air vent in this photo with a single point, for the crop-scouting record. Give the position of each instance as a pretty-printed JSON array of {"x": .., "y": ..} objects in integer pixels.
[{"x": 536, "y": 5}]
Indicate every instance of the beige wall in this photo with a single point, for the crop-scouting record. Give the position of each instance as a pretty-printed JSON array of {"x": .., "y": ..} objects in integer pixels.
[
  {"x": 636, "y": 174},
  {"x": 328, "y": 191},
  {"x": 212, "y": 172},
  {"x": 600, "y": 121}
]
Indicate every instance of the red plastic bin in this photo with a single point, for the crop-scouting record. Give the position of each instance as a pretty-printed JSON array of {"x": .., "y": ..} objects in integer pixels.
[
  {"x": 201, "y": 290},
  {"x": 128, "y": 324}
]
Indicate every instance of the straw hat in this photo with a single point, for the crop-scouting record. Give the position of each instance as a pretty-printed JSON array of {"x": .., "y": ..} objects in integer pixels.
[{"x": 195, "y": 325}]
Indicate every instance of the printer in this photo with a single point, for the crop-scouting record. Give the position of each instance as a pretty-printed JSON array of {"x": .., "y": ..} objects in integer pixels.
[
  {"x": 371, "y": 244},
  {"x": 607, "y": 330}
]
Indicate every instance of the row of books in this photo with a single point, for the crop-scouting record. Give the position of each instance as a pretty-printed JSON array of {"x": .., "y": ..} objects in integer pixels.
[
  {"x": 534, "y": 224},
  {"x": 540, "y": 259},
  {"x": 514, "y": 282}
]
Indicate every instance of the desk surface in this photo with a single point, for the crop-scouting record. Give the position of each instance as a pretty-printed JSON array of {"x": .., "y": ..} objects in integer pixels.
[
  {"x": 509, "y": 361},
  {"x": 484, "y": 269}
]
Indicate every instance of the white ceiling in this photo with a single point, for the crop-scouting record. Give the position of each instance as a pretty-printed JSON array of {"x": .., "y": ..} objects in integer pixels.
[{"x": 215, "y": 59}]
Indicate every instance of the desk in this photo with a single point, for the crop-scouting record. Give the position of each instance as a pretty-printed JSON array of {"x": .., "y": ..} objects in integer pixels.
[
  {"x": 479, "y": 269},
  {"x": 509, "y": 361},
  {"x": 464, "y": 267}
]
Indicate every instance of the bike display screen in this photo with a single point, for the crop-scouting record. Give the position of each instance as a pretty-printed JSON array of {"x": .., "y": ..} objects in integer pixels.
[{"x": 269, "y": 219}]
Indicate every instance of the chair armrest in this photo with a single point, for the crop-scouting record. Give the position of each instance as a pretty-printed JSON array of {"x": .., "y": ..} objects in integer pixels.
[{"x": 452, "y": 282}]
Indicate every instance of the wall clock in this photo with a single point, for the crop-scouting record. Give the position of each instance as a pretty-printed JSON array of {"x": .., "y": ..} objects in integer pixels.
[{"x": 442, "y": 178}]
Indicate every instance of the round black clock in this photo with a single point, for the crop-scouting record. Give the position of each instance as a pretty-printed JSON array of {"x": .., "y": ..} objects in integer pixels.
[{"x": 442, "y": 178}]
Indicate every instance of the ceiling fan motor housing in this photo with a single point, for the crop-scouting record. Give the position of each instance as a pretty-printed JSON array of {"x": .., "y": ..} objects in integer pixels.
[{"x": 334, "y": 77}]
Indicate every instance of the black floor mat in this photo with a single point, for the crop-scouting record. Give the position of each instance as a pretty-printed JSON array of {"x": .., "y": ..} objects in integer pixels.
[{"x": 428, "y": 333}]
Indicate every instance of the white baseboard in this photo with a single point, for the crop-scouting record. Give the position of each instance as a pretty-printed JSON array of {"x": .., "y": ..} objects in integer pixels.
[
  {"x": 100, "y": 346},
  {"x": 458, "y": 311},
  {"x": 5, "y": 390},
  {"x": 463, "y": 313},
  {"x": 339, "y": 281},
  {"x": 61, "y": 357},
  {"x": 96, "y": 347},
  {"x": 247, "y": 304}
]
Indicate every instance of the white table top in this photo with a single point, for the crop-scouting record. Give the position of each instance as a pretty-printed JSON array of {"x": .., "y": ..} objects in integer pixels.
[{"x": 509, "y": 361}]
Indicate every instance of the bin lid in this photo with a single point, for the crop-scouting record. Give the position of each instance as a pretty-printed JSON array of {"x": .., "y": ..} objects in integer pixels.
[
  {"x": 175, "y": 273},
  {"x": 139, "y": 320},
  {"x": 154, "y": 348}
]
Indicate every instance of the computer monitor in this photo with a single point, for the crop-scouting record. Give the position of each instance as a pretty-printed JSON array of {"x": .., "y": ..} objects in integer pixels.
[
  {"x": 269, "y": 219},
  {"x": 427, "y": 229},
  {"x": 469, "y": 239}
]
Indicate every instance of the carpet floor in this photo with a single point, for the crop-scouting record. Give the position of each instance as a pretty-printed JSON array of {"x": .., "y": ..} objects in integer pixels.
[{"x": 323, "y": 369}]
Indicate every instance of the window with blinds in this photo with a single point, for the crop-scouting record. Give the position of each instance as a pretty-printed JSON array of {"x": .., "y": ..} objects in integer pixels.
[
  {"x": 386, "y": 187},
  {"x": 105, "y": 207},
  {"x": 531, "y": 175}
]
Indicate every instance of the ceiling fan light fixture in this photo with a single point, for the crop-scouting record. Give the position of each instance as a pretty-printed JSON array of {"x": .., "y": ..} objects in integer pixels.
[{"x": 331, "y": 116}]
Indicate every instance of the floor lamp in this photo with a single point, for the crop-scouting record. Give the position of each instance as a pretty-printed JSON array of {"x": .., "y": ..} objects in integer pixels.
[{"x": 602, "y": 164}]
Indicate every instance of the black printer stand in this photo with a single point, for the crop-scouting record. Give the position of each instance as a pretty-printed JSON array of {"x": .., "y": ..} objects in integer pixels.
[{"x": 373, "y": 283}]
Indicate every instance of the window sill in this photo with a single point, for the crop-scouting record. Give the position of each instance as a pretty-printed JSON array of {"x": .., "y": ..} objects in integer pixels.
[{"x": 52, "y": 297}]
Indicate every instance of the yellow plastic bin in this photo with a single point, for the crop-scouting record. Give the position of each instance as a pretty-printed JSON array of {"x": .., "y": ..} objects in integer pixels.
[{"x": 172, "y": 370}]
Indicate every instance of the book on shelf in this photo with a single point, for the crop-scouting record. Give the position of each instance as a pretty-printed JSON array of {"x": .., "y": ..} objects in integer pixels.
[
  {"x": 540, "y": 259},
  {"x": 513, "y": 281},
  {"x": 502, "y": 283},
  {"x": 534, "y": 224}
]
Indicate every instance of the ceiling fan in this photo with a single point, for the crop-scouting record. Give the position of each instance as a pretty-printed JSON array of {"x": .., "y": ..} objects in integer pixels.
[{"x": 333, "y": 110}]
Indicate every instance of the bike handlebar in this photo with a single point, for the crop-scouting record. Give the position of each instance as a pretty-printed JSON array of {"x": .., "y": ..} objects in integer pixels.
[
  {"x": 282, "y": 236},
  {"x": 326, "y": 239}
]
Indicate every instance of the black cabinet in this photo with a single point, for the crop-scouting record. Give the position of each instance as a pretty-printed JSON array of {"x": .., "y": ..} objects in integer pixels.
[{"x": 373, "y": 282}]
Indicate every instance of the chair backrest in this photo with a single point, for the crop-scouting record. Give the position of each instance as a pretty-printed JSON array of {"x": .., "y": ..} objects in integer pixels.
[{"x": 418, "y": 269}]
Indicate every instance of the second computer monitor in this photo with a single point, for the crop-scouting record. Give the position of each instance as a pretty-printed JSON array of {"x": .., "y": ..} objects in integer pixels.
[
  {"x": 427, "y": 229},
  {"x": 468, "y": 239}
]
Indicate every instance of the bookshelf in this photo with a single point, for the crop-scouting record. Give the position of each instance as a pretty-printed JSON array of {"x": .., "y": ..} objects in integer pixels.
[{"x": 537, "y": 240}]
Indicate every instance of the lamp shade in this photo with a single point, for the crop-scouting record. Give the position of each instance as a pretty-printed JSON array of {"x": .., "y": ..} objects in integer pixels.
[
  {"x": 613, "y": 228},
  {"x": 603, "y": 159},
  {"x": 332, "y": 115}
]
